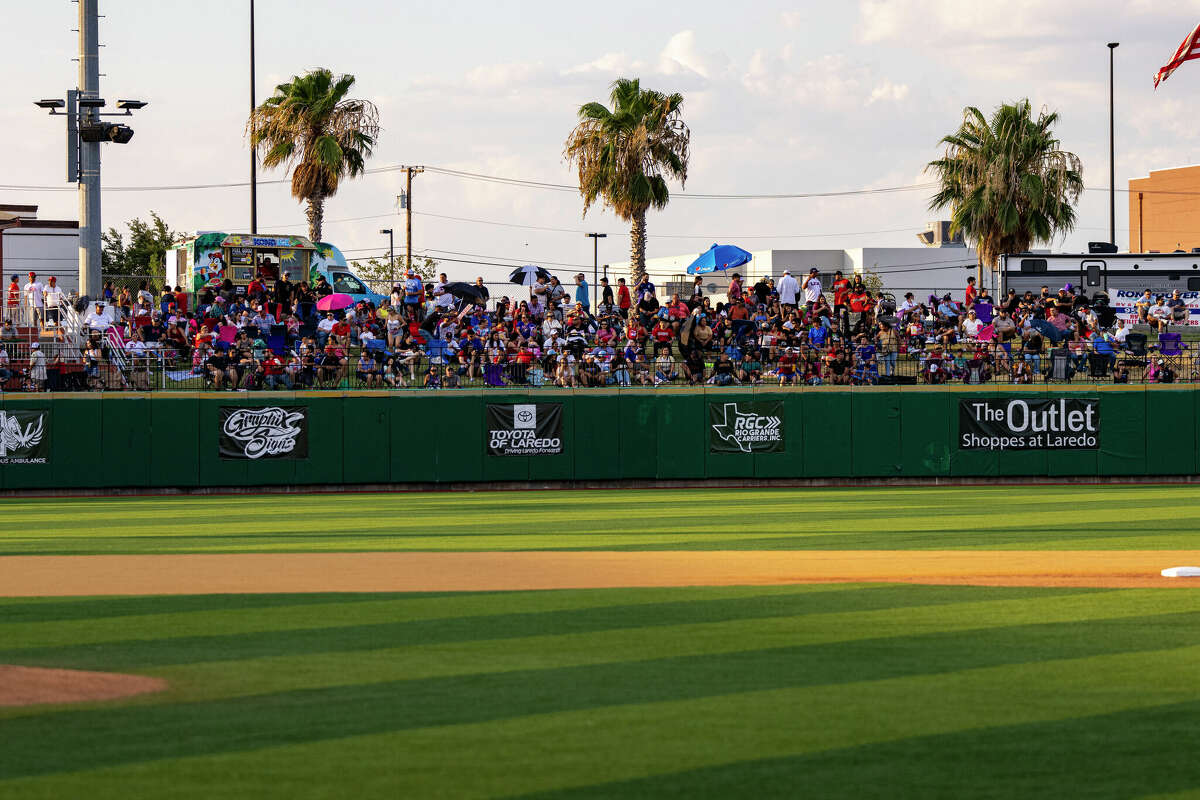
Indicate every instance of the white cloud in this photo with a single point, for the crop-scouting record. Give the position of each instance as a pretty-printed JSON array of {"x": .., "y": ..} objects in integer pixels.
[
  {"x": 681, "y": 56},
  {"x": 888, "y": 92},
  {"x": 794, "y": 19},
  {"x": 829, "y": 82}
]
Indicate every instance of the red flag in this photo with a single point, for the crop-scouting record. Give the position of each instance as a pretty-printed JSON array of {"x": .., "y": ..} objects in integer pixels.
[{"x": 1187, "y": 51}]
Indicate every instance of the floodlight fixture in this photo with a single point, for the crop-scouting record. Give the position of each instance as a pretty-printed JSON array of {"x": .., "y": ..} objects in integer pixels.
[
  {"x": 51, "y": 104},
  {"x": 131, "y": 105},
  {"x": 91, "y": 102}
]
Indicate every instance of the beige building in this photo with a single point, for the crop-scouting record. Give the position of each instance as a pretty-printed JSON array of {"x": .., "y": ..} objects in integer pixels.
[{"x": 1164, "y": 211}]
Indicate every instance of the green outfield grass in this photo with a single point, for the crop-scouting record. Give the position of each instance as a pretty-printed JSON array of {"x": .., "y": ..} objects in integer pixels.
[
  {"x": 969, "y": 517},
  {"x": 813, "y": 691}
]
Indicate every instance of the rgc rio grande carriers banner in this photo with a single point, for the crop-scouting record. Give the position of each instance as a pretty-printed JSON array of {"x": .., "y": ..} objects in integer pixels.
[
  {"x": 1022, "y": 424},
  {"x": 524, "y": 429},
  {"x": 746, "y": 427}
]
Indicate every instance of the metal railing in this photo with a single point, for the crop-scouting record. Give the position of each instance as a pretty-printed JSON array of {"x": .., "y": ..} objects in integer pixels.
[{"x": 166, "y": 369}]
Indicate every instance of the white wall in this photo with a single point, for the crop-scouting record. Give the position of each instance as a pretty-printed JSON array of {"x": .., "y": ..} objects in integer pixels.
[
  {"x": 920, "y": 270},
  {"x": 46, "y": 251}
]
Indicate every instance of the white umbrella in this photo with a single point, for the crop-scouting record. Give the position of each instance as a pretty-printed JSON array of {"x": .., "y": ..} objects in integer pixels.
[{"x": 528, "y": 275}]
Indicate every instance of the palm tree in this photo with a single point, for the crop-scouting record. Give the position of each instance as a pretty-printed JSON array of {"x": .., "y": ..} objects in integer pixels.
[
  {"x": 311, "y": 124},
  {"x": 1006, "y": 181},
  {"x": 626, "y": 154}
]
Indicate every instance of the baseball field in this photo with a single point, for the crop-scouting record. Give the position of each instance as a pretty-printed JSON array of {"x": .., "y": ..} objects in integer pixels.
[{"x": 991, "y": 641}]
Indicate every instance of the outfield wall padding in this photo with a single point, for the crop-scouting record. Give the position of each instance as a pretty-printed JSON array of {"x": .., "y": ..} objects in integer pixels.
[{"x": 171, "y": 440}]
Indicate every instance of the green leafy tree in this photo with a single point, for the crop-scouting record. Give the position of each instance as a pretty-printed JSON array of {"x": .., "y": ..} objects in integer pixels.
[
  {"x": 1007, "y": 181},
  {"x": 311, "y": 126},
  {"x": 379, "y": 273},
  {"x": 625, "y": 154},
  {"x": 143, "y": 255}
]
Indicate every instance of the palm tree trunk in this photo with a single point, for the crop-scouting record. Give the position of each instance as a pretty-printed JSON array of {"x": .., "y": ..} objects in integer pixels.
[
  {"x": 637, "y": 247},
  {"x": 316, "y": 217}
]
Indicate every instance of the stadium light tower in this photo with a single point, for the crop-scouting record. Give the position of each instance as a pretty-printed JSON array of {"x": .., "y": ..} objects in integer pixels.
[{"x": 85, "y": 132}]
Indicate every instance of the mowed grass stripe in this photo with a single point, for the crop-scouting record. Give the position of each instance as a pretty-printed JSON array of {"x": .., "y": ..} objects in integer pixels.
[
  {"x": 79, "y": 738},
  {"x": 216, "y": 679},
  {"x": 39, "y": 622},
  {"x": 577, "y": 748},
  {"x": 1125, "y": 754},
  {"x": 1033, "y": 517},
  {"x": 158, "y": 640}
]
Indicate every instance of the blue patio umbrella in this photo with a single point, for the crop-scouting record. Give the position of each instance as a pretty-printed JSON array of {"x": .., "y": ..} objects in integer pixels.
[{"x": 719, "y": 257}]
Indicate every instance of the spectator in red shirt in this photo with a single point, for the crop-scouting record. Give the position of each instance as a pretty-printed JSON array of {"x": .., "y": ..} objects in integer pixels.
[
  {"x": 663, "y": 333},
  {"x": 274, "y": 372},
  {"x": 624, "y": 299},
  {"x": 14, "y": 298},
  {"x": 841, "y": 288},
  {"x": 341, "y": 333},
  {"x": 971, "y": 293}
]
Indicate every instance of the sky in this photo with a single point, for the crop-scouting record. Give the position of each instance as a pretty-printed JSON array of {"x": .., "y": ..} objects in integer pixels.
[{"x": 780, "y": 97}]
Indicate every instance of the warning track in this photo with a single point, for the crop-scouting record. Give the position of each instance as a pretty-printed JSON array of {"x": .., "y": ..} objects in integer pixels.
[{"x": 274, "y": 573}]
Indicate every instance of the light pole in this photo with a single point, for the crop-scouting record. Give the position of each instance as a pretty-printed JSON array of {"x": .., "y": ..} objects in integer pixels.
[
  {"x": 595, "y": 237},
  {"x": 1112, "y": 167},
  {"x": 391, "y": 255},
  {"x": 253, "y": 150},
  {"x": 85, "y": 132}
]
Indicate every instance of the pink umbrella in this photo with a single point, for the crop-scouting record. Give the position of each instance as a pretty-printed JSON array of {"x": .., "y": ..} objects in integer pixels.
[{"x": 334, "y": 302}]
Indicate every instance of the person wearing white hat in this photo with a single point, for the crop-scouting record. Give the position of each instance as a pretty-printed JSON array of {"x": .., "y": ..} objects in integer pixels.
[
  {"x": 37, "y": 365},
  {"x": 788, "y": 288}
]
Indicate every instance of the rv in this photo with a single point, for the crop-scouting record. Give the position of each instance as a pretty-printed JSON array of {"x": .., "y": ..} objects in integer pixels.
[{"x": 1122, "y": 277}]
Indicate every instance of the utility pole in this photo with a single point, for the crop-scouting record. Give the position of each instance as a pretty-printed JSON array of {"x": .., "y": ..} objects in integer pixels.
[
  {"x": 89, "y": 152},
  {"x": 1112, "y": 168},
  {"x": 596, "y": 237},
  {"x": 409, "y": 171},
  {"x": 253, "y": 150}
]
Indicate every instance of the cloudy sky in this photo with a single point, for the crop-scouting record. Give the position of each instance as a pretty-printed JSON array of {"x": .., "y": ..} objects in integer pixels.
[{"x": 781, "y": 98}]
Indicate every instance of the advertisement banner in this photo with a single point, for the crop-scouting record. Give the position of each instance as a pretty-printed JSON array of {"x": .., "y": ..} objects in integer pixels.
[
  {"x": 1026, "y": 424},
  {"x": 24, "y": 437},
  {"x": 262, "y": 433},
  {"x": 524, "y": 429},
  {"x": 753, "y": 427},
  {"x": 1124, "y": 302}
]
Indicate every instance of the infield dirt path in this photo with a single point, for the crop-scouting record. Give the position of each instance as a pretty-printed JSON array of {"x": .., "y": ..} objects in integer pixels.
[{"x": 275, "y": 573}]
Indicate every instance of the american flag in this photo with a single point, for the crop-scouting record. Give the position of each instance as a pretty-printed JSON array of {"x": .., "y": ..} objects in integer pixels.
[{"x": 1187, "y": 51}]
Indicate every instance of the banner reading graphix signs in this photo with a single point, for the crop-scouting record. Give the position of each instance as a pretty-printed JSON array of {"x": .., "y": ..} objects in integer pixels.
[
  {"x": 261, "y": 433},
  {"x": 524, "y": 429},
  {"x": 1023, "y": 424},
  {"x": 754, "y": 427},
  {"x": 24, "y": 438}
]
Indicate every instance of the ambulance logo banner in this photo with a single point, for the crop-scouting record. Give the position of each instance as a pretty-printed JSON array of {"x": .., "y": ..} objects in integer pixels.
[
  {"x": 23, "y": 437},
  {"x": 524, "y": 429},
  {"x": 1024, "y": 424},
  {"x": 745, "y": 427}
]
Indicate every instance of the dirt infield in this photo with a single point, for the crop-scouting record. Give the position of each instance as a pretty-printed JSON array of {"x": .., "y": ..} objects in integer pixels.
[
  {"x": 275, "y": 573},
  {"x": 27, "y": 686}
]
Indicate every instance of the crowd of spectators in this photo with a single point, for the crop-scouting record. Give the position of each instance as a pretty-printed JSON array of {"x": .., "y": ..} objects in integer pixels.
[{"x": 787, "y": 332}]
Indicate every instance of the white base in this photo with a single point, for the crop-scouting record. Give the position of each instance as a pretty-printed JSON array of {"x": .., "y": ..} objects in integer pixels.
[{"x": 1181, "y": 572}]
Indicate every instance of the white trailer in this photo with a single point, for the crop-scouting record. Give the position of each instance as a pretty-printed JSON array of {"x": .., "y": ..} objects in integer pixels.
[{"x": 1123, "y": 277}]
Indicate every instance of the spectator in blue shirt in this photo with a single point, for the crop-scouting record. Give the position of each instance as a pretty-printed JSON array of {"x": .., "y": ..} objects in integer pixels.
[{"x": 581, "y": 292}]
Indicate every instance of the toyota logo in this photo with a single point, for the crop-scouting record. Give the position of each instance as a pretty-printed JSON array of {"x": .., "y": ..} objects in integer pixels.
[{"x": 524, "y": 416}]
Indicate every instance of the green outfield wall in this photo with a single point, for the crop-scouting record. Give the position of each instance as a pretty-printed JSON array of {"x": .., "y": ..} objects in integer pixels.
[{"x": 88, "y": 441}]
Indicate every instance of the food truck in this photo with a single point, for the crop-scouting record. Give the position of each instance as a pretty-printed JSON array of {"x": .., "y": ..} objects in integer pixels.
[{"x": 208, "y": 258}]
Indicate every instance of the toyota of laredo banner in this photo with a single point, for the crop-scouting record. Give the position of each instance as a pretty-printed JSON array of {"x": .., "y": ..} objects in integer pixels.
[
  {"x": 755, "y": 427},
  {"x": 1020, "y": 424},
  {"x": 261, "y": 433},
  {"x": 23, "y": 438},
  {"x": 524, "y": 429}
]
